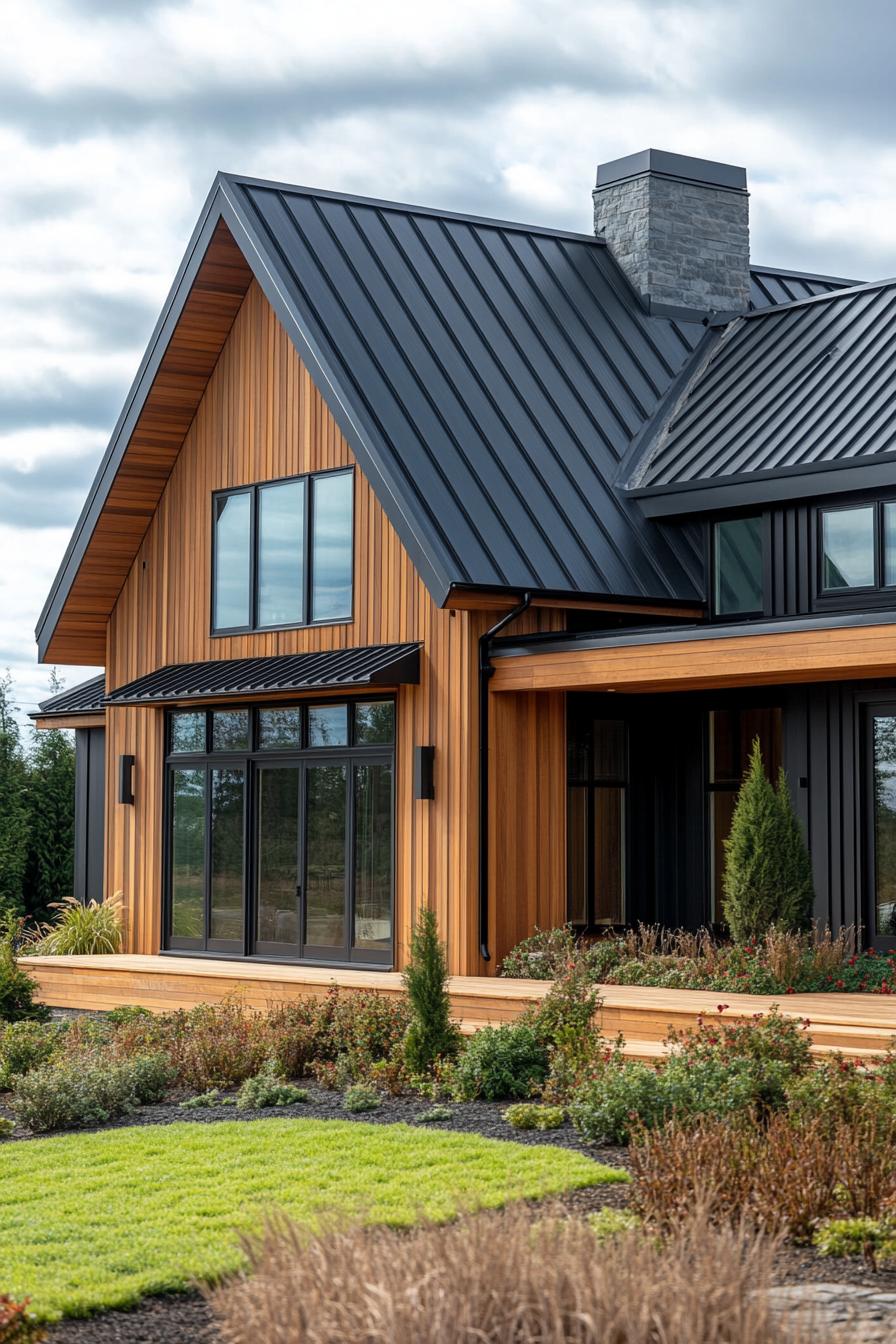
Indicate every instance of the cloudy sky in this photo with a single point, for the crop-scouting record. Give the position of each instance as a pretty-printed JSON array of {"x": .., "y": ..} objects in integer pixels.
[{"x": 115, "y": 115}]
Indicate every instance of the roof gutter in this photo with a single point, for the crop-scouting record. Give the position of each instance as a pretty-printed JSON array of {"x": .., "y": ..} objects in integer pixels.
[{"x": 486, "y": 672}]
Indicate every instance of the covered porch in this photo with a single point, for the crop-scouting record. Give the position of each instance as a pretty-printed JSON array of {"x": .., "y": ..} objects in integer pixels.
[{"x": 617, "y": 757}]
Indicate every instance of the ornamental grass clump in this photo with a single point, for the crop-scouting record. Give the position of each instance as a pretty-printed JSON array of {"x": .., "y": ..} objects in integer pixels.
[
  {"x": 81, "y": 929},
  {"x": 515, "y": 1277},
  {"x": 431, "y": 1034},
  {"x": 767, "y": 880},
  {"x": 787, "y": 1173}
]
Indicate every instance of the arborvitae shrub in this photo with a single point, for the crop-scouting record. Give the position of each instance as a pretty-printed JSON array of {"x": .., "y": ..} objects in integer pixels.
[
  {"x": 431, "y": 1034},
  {"x": 767, "y": 880}
]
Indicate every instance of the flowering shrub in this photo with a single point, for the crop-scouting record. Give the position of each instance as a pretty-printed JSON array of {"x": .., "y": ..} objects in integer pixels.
[
  {"x": 17, "y": 1323},
  {"x": 24, "y": 1045},
  {"x": 722, "y": 1068},
  {"x": 779, "y": 963}
]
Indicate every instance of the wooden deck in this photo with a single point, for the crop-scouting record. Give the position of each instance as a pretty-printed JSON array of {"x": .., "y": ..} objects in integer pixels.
[{"x": 859, "y": 1025}]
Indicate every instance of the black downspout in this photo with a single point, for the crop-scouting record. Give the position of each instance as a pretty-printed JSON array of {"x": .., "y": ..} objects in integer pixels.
[{"x": 485, "y": 673}]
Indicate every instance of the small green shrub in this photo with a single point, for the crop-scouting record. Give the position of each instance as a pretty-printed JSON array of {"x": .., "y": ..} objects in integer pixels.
[
  {"x": 6, "y": 1129},
  {"x": 73, "y": 1092},
  {"x": 81, "y": 930},
  {"x": 214, "y": 1097},
  {"x": 531, "y": 1115},
  {"x": 268, "y": 1088},
  {"x": 431, "y": 1034},
  {"x": 608, "y": 1223},
  {"x": 24, "y": 1045},
  {"x": 767, "y": 880},
  {"x": 872, "y": 1238},
  {"x": 17, "y": 990},
  {"x": 360, "y": 1098},
  {"x": 604, "y": 1109},
  {"x": 436, "y": 1115},
  {"x": 125, "y": 1013},
  {"x": 501, "y": 1064},
  {"x": 18, "y": 1324}
]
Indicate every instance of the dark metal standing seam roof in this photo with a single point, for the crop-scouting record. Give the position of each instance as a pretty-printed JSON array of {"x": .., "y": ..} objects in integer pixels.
[
  {"x": 340, "y": 669},
  {"x": 85, "y": 698},
  {"x": 802, "y": 392},
  {"x": 490, "y": 378},
  {"x": 493, "y": 376}
]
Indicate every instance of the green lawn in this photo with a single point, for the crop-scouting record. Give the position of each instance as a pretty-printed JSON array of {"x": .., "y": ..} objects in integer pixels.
[{"x": 90, "y": 1221}]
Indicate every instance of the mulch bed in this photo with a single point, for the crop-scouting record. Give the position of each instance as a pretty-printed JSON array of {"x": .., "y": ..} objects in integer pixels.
[{"x": 184, "y": 1318}]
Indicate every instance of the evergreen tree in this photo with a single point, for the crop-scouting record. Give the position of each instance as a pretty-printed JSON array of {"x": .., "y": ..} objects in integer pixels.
[
  {"x": 13, "y": 806},
  {"x": 768, "y": 879},
  {"x": 431, "y": 1034},
  {"x": 49, "y": 872}
]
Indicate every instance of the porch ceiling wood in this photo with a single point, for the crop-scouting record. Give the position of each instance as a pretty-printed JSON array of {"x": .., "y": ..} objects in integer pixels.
[
  {"x": 177, "y": 387},
  {"x": 751, "y": 659}
]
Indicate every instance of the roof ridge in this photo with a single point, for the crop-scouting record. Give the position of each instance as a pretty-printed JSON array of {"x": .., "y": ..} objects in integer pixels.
[
  {"x": 408, "y": 207},
  {"x": 832, "y": 295}
]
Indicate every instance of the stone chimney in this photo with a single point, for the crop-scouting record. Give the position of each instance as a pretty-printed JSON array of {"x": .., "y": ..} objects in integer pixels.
[{"x": 679, "y": 228}]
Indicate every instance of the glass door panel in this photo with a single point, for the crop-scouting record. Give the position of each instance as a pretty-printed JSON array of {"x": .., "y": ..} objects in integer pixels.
[
  {"x": 326, "y": 816},
  {"x": 187, "y": 858},
  {"x": 373, "y": 856},
  {"x": 228, "y": 792},
  {"x": 278, "y": 925},
  {"x": 883, "y": 803}
]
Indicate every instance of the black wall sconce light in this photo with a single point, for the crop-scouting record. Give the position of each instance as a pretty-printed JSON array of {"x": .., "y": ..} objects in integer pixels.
[
  {"x": 126, "y": 779},
  {"x": 424, "y": 773}
]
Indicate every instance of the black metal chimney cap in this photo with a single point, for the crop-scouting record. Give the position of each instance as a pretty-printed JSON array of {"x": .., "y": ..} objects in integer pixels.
[{"x": 704, "y": 171}]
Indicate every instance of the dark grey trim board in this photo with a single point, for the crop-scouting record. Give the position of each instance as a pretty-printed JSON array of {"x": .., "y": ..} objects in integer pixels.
[
  {"x": 815, "y": 481},
  {"x": 676, "y": 634}
]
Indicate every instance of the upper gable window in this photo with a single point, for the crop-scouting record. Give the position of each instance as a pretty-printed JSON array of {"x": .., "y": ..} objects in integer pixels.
[
  {"x": 738, "y": 580},
  {"x": 282, "y": 553}
]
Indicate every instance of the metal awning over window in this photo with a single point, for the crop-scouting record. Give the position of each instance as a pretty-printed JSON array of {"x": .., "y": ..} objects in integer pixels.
[{"x": 334, "y": 670}]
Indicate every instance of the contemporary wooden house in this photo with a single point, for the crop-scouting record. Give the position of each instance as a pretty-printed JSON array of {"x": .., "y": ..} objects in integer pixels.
[{"x": 442, "y": 559}]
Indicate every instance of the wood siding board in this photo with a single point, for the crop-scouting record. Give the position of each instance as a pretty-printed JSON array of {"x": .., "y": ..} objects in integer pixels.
[{"x": 261, "y": 417}]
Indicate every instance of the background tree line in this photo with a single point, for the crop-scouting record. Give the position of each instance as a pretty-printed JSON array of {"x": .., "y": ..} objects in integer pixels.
[{"x": 37, "y": 812}]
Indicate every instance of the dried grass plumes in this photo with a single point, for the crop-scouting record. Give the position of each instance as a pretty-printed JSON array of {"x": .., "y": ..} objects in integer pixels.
[{"x": 511, "y": 1278}]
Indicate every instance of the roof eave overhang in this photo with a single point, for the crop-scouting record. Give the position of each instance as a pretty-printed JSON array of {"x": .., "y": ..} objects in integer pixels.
[
  {"x": 765, "y": 488},
  {"x": 223, "y": 204}
]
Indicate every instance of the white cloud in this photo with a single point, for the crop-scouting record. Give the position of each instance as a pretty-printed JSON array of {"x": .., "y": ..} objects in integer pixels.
[{"x": 115, "y": 117}]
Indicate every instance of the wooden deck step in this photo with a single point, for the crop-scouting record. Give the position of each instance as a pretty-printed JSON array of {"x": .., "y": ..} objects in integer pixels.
[{"x": 858, "y": 1025}]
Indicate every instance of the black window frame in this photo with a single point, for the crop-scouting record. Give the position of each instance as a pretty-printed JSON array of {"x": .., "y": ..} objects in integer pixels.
[
  {"x": 253, "y": 490},
  {"x": 880, "y": 593},
  {"x": 250, "y": 760},
  {"x": 756, "y": 613}
]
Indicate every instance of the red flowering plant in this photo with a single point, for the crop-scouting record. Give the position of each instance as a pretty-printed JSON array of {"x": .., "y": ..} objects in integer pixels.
[{"x": 17, "y": 1323}]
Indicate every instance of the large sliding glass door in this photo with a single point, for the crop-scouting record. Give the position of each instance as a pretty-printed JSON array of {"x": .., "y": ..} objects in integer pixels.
[
  {"x": 881, "y": 823},
  {"x": 280, "y": 832}
]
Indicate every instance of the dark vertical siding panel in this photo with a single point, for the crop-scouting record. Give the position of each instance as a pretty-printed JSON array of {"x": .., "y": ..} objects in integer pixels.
[{"x": 90, "y": 771}]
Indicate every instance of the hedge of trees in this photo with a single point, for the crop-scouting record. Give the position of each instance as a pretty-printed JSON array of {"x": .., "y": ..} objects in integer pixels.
[{"x": 37, "y": 813}]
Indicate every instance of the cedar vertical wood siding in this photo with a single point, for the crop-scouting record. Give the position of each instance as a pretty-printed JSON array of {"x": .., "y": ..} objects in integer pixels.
[{"x": 261, "y": 418}]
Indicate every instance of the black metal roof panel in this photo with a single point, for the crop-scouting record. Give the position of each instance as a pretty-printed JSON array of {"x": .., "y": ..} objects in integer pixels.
[
  {"x": 85, "y": 698},
  {"x": 770, "y": 286},
  {"x": 799, "y": 393},
  {"x": 492, "y": 377},
  {"x": 338, "y": 669}
]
